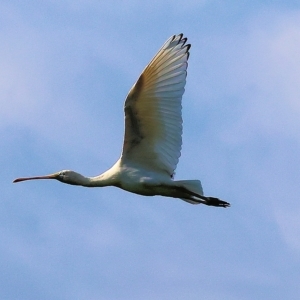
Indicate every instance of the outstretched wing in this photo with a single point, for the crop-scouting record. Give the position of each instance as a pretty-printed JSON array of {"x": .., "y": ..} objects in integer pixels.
[{"x": 153, "y": 122}]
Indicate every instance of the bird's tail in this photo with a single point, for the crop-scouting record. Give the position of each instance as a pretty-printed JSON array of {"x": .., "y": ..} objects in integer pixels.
[{"x": 193, "y": 186}]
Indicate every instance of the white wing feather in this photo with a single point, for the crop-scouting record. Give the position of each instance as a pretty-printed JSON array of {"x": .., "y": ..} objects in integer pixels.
[{"x": 153, "y": 122}]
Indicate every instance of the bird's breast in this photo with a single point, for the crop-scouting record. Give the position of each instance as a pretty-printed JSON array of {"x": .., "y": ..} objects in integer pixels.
[{"x": 142, "y": 182}]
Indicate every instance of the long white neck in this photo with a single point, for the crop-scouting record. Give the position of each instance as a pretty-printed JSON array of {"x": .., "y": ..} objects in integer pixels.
[
  {"x": 99, "y": 181},
  {"x": 110, "y": 177}
]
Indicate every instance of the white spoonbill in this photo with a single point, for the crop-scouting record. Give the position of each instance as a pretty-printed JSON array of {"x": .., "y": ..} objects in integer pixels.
[{"x": 153, "y": 130}]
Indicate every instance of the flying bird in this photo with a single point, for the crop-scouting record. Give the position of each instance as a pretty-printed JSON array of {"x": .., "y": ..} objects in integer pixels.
[{"x": 153, "y": 134}]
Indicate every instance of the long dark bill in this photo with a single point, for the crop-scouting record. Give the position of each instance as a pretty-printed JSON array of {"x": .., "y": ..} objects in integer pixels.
[{"x": 51, "y": 176}]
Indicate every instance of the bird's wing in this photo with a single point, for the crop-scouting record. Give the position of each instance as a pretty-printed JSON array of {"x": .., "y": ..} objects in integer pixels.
[{"x": 153, "y": 122}]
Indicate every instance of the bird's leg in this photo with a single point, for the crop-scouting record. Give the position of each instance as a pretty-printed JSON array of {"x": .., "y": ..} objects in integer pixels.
[{"x": 211, "y": 201}]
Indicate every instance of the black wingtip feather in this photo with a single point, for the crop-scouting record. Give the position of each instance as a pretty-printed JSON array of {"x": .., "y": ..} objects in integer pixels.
[{"x": 183, "y": 41}]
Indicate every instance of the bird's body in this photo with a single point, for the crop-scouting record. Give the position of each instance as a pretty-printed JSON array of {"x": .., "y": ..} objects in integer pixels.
[{"x": 153, "y": 134}]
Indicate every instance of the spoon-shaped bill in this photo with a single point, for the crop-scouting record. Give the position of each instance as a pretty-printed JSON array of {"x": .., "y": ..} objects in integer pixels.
[{"x": 51, "y": 176}]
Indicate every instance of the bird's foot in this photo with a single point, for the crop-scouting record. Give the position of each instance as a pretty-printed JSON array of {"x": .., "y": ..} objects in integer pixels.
[{"x": 216, "y": 202}]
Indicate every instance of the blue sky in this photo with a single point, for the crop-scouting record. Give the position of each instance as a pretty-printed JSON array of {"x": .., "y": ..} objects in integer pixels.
[{"x": 66, "y": 67}]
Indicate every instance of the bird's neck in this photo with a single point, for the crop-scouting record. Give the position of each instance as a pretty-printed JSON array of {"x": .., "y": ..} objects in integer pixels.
[
  {"x": 99, "y": 181},
  {"x": 110, "y": 177},
  {"x": 105, "y": 179}
]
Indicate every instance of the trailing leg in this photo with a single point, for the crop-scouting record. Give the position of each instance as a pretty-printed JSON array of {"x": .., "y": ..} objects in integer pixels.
[{"x": 191, "y": 191}]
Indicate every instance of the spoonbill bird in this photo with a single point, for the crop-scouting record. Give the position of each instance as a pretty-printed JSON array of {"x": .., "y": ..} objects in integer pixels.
[{"x": 153, "y": 130}]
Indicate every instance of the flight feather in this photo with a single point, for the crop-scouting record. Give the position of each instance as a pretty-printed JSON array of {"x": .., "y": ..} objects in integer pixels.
[{"x": 153, "y": 120}]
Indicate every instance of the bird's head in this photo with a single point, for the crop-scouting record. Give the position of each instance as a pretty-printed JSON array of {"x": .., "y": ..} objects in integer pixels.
[{"x": 65, "y": 176}]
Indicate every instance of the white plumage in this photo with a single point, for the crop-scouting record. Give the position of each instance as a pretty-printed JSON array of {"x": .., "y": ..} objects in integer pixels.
[
  {"x": 153, "y": 109},
  {"x": 153, "y": 134}
]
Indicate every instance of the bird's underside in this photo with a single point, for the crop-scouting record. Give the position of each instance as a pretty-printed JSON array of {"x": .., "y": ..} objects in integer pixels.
[
  {"x": 186, "y": 195},
  {"x": 146, "y": 182}
]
